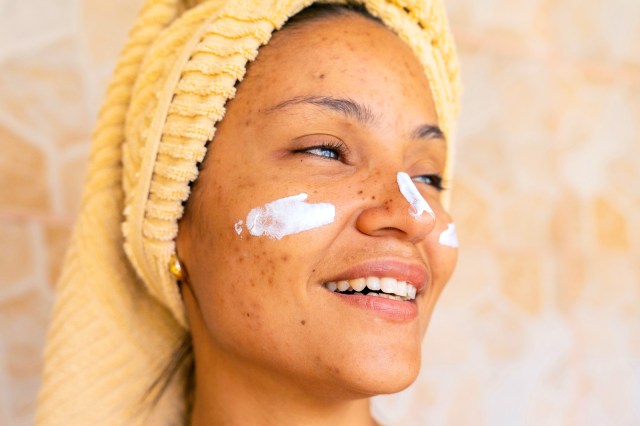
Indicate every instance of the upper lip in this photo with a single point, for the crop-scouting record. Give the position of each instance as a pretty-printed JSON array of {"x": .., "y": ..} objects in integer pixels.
[{"x": 413, "y": 273}]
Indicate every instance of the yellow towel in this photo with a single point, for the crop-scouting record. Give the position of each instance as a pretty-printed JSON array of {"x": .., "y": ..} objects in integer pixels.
[{"x": 118, "y": 316}]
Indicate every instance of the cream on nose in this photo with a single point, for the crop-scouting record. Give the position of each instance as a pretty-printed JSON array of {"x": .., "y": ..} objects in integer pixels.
[
  {"x": 405, "y": 215},
  {"x": 418, "y": 204}
]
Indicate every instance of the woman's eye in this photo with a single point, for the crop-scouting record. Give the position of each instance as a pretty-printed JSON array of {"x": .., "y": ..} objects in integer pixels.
[
  {"x": 320, "y": 151},
  {"x": 431, "y": 180}
]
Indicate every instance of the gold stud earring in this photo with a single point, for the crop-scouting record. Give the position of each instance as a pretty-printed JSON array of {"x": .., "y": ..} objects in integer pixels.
[{"x": 175, "y": 267}]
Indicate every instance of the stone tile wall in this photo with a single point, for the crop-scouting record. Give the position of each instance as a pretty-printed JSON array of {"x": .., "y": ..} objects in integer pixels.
[{"x": 541, "y": 323}]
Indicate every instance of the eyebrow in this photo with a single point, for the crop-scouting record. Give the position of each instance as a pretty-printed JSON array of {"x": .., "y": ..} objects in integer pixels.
[
  {"x": 428, "y": 131},
  {"x": 357, "y": 111},
  {"x": 346, "y": 106}
]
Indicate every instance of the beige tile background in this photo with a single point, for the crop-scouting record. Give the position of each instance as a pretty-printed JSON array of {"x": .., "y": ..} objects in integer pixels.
[{"x": 541, "y": 323}]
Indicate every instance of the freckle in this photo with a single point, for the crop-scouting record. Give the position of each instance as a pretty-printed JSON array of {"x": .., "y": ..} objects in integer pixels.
[
  {"x": 285, "y": 258},
  {"x": 303, "y": 322},
  {"x": 360, "y": 192},
  {"x": 247, "y": 123},
  {"x": 373, "y": 197},
  {"x": 321, "y": 76}
]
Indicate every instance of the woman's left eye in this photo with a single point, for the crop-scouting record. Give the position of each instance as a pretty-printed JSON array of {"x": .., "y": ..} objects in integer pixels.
[
  {"x": 329, "y": 150},
  {"x": 431, "y": 180},
  {"x": 322, "y": 151}
]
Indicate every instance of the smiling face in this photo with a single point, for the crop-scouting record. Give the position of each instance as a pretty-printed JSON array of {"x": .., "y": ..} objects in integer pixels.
[{"x": 335, "y": 110}]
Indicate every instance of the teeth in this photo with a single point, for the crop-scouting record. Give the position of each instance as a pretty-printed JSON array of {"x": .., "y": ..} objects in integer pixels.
[
  {"x": 411, "y": 291},
  {"x": 373, "y": 283},
  {"x": 343, "y": 285},
  {"x": 390, "y": 287},
  {"x": 358, "y": 284},
  {"x": 401, "y": 289}
]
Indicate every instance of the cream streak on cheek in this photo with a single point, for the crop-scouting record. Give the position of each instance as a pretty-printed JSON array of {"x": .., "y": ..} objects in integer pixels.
[
  {"x": 449, "y": 236},
  {"x": 418, "y": 204},
  {"x": 287, "y": 216}
]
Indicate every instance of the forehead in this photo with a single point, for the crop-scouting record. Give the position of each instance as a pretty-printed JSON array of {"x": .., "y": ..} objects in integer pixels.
[{"x": 346, "y": 56}]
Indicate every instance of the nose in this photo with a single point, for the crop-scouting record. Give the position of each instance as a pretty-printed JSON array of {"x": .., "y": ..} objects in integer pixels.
[{"x": 394, "y": 215}]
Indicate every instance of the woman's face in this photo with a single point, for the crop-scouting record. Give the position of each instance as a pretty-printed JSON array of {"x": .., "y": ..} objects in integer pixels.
[{"x": 333, "y": 109}]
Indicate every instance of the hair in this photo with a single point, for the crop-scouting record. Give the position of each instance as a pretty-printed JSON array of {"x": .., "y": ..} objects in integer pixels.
[
  {"x": 324, "y": 11},
  {"x": 182, "y": 360}
]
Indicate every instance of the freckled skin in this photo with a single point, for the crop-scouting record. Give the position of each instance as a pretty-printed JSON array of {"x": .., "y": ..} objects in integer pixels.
[{"x": 256, "y": 360}]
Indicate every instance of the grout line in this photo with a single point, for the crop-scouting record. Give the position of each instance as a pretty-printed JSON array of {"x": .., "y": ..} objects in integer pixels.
[
  {"x": 54, "y": 183},
  {"x": 28, "y": 133},
  {"x": 43, "y": 218},
  {"x": 608, "y": 71},
  {"x": 39, "y": 251},
  {"x": 17, "y": 47}
]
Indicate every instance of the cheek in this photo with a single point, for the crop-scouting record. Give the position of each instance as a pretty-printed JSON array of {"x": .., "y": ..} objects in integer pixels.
[
  {"x": 441, "y": 248},
  {"x": 442, "y": 255},
  {"x": 246, "y": 285}
]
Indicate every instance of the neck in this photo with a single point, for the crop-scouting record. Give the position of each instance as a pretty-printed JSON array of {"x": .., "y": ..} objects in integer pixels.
[{"x": 233, "y": 394}]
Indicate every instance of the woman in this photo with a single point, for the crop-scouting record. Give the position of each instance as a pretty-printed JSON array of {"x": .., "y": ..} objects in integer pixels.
[{"x": 304, "y": 262}]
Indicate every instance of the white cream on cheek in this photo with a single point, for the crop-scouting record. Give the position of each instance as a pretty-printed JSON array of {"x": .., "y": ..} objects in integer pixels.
[
  {"x": 449, "y": 237},
  {"x": 238, "y": 227},
  {"x": 418, "y": 204},
  {"x": 287, "y": 216}
]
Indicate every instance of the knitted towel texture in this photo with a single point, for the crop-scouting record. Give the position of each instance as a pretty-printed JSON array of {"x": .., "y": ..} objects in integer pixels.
[{"x": 118, "y": 316}]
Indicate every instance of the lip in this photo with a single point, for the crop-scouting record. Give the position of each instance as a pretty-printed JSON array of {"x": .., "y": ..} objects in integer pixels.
[
  {"x": 415, "y": 274},
  {"x": 394, "y": 310}
]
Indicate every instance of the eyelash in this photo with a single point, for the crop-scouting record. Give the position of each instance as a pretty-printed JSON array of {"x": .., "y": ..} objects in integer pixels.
[
  {"x": 434, "y": 180},
  {"x": 341, "y": 150},
  {"x": 338, "y": 147}
]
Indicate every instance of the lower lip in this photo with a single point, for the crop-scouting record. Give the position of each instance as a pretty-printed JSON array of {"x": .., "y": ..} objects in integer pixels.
[{"x": 396, "y": 310}]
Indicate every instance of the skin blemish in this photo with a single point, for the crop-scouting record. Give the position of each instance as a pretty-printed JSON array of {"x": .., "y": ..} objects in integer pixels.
[
  {"x": 238, "y": 227},
  {"x": 449, "y": 237},
  {"x": 287, "y": 216},
  {"x": 418, "y": 204},
  {"x": 303, "y": 322}
]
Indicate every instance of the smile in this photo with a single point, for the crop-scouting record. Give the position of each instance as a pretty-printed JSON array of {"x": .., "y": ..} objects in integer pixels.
[{"x": 385, "y": 287}]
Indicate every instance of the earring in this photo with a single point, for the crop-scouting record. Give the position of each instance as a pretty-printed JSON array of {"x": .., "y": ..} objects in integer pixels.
[{"x": 175, "y": 267}]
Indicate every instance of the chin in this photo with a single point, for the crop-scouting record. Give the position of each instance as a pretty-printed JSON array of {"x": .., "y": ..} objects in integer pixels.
[
  {"x": 381, "y": 372},
  {"x": 387, "y": 381}
]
